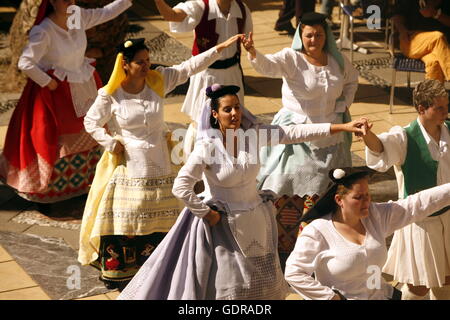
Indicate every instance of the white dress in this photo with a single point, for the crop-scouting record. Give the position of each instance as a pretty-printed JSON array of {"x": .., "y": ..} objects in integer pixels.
[
  {"x": 235, "y": 184},
  {"x": 355, "y": 270},
  {"x": 420, "y": 252},
  {"x": 310, "y": 94},
  {"x": 51, "y": 47},
  {"x": 316, "y": 94},
  {"x": 137, "y": 198},
  {"x": 226, "y": 27},
  {"x": 50, "y": 170},
  {"x": 235, "y": 259}
]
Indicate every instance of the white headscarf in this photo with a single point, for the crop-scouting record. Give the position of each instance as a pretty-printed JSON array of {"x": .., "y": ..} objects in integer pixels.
[{"x": 332, "y": 49}]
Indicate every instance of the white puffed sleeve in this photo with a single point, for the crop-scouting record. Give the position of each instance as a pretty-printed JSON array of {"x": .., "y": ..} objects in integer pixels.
[
  {"x": 394, "y": 215},
  {"x": 297, "y": 133},
  {"x": 96, "y": 118},
  {"x": 350, "y": 86},
  {"x": 277, "y": 65},
  {"x": 178, "y": 74},
  {"x": 92, "y": 17},
  {"x": 37, "y": 46},
  {"x": 189, "y": 174},
  {"x": 194, "y": 11},
  {"x": 303, "y": 262},
  {"x": 395, "y": 144}
]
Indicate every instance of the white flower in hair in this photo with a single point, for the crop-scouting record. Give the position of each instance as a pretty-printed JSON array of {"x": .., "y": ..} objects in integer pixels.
[
  {"x": 128, "y": 44},
  {"x": 338, "y": 174}
]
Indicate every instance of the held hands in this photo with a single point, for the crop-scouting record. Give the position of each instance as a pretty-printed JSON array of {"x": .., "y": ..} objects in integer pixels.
[
  {"x": 249, "y": 45},
  {"x": 229, "y": 42},
  {"x": 369, "y": 138},
  {"x": 365, "y": 126},
  {"x": 359, "y": 127},
  {"x": 213, "y": 217}
]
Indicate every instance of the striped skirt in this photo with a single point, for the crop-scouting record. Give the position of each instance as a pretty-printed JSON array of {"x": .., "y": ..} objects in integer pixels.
[{"x": 71, "y": 177}]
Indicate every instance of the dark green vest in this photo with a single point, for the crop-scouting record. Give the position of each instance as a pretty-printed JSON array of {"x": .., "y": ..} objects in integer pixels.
[{"x": 419, "y": 169}]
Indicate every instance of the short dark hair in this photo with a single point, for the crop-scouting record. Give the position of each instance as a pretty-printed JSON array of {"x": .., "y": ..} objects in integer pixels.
[
  {"x": 341, "y": 189},
  {"x": 340, "y": 185},
  {"x": 346, "y": 185},
  {"x": 135, "y": 45},
  {"x": 426, "y": 91},
  {"x": 215, "y": 103},
  {"x": 128, "y": 56},
  {"x": 49, "y": 9}
]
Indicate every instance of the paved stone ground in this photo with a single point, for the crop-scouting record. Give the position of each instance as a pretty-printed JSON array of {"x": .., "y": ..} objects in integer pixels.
[{"x": 20, "y": 221}]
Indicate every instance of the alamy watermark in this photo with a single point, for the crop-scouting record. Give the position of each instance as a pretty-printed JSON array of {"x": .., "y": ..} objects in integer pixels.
[
  {"x": 219, "y": 149},
  {"x": 74, "y": 18},
  {"x": 73, "y": 282},
  {"x": 374, "y": 280},
  {"x": 374, "y": 20}
]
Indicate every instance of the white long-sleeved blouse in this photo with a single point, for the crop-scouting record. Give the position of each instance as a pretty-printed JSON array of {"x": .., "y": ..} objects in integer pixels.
[
  {"x": 395, "y": 143},
  {"x": 51, "y": 47},
  {"x": 314, "y": 93},
  {"x": 226, "y": 26},
  {"x": 355, "y": 270},
  {"x": 138, "y": 119},
  {"x": 235, "y": 184}
]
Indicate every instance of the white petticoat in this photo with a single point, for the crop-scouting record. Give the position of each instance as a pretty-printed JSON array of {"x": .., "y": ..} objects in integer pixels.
[{"x": 420, "y": 252}]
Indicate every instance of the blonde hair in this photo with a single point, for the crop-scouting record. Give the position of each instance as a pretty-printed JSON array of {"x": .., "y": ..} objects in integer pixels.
[{"x": 426, "y": 91}]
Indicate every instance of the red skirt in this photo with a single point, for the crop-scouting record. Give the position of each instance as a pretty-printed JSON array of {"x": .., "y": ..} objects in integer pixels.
[{"x": 43, "y": 134}]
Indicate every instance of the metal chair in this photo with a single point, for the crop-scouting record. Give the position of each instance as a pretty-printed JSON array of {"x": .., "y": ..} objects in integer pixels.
[
  {"x": 348, "y": 10},
  {"x": 401, "y": 63}
]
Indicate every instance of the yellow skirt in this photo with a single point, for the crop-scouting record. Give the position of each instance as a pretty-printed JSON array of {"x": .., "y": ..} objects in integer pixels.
[{"x": 119, "y": 205}]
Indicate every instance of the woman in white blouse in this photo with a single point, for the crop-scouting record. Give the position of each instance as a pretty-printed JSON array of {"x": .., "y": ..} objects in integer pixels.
[
  {"x": 210, "y": 21},
  {"x": 223, "y": 245},
  {"x": 319, "y": 85},
  {"x": 130, "y": 205},
  {"x": 344, "y": 246},
  {"x": 56, "y": 158}
]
